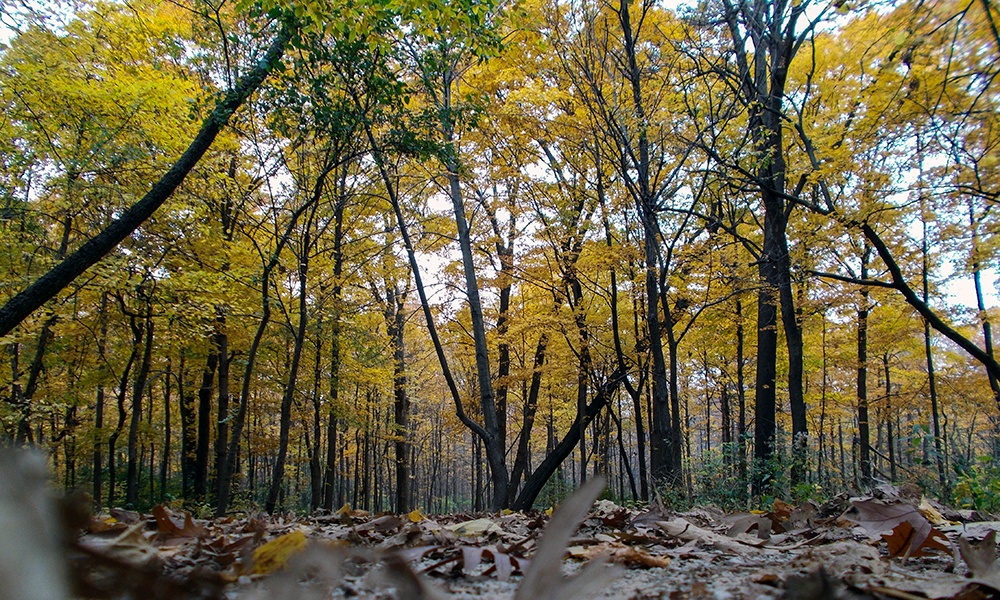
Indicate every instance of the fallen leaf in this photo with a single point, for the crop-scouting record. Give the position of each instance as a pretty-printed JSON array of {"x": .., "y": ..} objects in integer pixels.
[
  {"x": 931, "y": 514},
  {"x": 878, "y": 517},
  {"x": 544, "y": 580},
  {"x": 475, "y": 527},
  {"x": 629, "y": 557},
  {"x": 166, "y": 523},
  {"x": 274, "y": 555},
  {"x": 382, "y": 524},
  {"x": 745, "y": 523},
  {"x": 781, "y": 510},
  {"x": 903, "y": 541},
  {"x": 982, "y": 560},
  {"x": 128, "y": 517},
  {"x": 802, "y": 516}
]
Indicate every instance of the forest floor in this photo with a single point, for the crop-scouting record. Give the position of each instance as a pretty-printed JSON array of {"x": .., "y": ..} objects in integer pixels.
[{"x": 895, "y": 544}]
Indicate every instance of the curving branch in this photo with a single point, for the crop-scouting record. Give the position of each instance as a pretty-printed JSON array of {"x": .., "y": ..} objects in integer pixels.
[{"x": 91, "y": 252}]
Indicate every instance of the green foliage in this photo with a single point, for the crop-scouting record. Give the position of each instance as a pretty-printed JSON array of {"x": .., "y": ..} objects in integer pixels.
[
  {"x": 717, "y": 480},
  {"x": 978, "y": 486}
]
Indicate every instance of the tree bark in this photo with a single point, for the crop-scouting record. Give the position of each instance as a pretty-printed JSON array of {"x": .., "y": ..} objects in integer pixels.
[
  {"x": 534, "y": 483},
  {"x": 285, "y": 422},
  {"x": 138, "y": 388},
  {"x": 205, "y": 422}
]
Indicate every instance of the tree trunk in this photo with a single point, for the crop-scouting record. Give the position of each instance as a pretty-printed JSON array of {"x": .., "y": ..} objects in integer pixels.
[
  {"x": 284, "y": 425},
  {"x": 334, "y": 397},
  {"x": 139, "y": 387},
  {"x": 189, "y": 432},
  {"x": 122, "y": 392},
  {"x": 315, "y": 466},
  {"x": 864, "y": 434},
  {"x": 222, "y": 413},
  {"x": 165, "y": 461},
  {"x": 534, "y": 483},
  {"x": 528, "y": 420},
  {"x": 205, "y": 423},
  {"x": 396, "y": 321}
]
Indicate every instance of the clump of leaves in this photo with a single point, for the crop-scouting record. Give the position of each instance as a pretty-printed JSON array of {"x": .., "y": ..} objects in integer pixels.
[{"x": 978, "y": 487}]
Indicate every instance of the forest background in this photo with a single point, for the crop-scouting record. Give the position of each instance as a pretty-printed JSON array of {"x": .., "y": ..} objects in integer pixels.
[{"x": 466, "y": 255}]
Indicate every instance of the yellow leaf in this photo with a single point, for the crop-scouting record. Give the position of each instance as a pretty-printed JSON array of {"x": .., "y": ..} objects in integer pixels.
[
  {"x": 345, "y": 509},
  {"x": 273, "y": 555},
  {"x": 930, "y": 513},
  {"x": 475, "y": 527},
  {"x": 415, "y": 516}
]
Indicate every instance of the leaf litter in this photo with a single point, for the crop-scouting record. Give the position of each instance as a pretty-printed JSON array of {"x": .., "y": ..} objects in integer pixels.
[{"x": 890, "y": 547}]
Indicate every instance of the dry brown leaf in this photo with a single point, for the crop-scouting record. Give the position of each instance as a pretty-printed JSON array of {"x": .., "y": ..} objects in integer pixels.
[
  {"x": 629, "y": 557},
  {"x": 903, "y": 541},
  {"x": 382, "y": 524},
  {"x": 681, "y": 528},
  {"x": 802, "y": 516},
  {"x": 166, "y": 523},
  {"x": 740, "y": 524},
  {"x": 982, "y": 560},
  {"x": 932, "y": 514},
  {"x": 544, "y": 579},
  {"x": 878, "y": 517},
  {"x": 475, "y": 527},
  {"x": 781, "y": 510}
]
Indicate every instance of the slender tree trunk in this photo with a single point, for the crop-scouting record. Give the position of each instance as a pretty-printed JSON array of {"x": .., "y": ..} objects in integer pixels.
[
  {"x": 122, "y": 393},
  {"x": 820, "y": 459},
  {"x": 492, "y": 444},
  {"x": 165, "y": 462},
  {"x": 225, "y": 478},
  {"x": 284, "y": 425},
  {"x": 330, "y": 473},
  {"x": 931, "y": 376},
  {"x": 139, "y": 387},
  {"x": 528, "y": 420},
  {"x": 315, "y": 466},
  {"x": 534, "y": 483},
  {"x": 741, "y": 394},
  {"x": 222, "y": 414},
  {"x": 489, "y": 430},
  {"x": 205, "y": 423},
  {"x": 890, "y": 440},
  {"x": 189, "y": 432},
  {"x": 396, "y": 321},
  {"x": 35, "y": 369},
  {"x": 864, "y": 435},
  {"x": 102, "y": 348}
]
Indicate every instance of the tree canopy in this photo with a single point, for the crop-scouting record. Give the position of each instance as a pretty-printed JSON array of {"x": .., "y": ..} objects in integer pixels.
[{"x": 430, "y": 255}]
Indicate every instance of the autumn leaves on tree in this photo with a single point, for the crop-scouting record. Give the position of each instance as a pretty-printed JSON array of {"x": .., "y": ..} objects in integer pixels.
[{"x": 408, "y": 254}]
